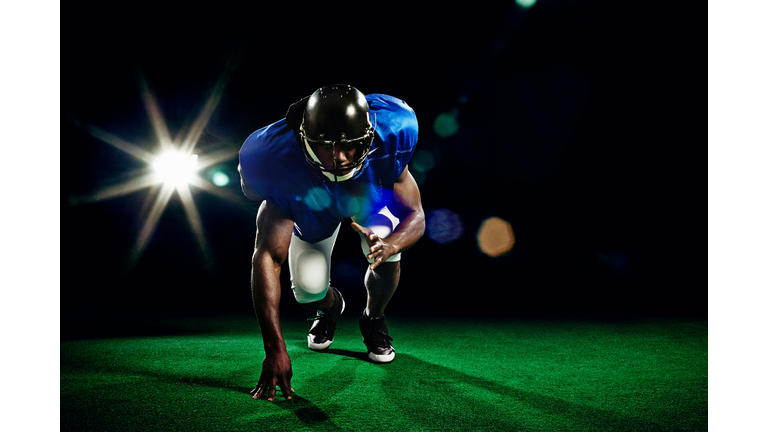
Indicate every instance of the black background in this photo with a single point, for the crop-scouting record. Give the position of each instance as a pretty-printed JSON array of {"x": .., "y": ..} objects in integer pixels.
[{"x": 581, "y": 123}]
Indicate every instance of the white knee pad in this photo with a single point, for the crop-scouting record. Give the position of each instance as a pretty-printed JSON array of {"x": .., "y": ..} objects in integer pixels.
[
  {"x": 310, "y": 267},
  {"x": 383, "y": 224}
]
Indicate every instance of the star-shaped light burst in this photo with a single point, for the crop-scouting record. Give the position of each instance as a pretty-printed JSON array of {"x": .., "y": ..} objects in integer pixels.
[{"x": 174, "y": 167}]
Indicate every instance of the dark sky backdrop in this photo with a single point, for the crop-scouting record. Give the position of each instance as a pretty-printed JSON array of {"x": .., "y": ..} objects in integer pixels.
[{"x": 580, "y": 122}]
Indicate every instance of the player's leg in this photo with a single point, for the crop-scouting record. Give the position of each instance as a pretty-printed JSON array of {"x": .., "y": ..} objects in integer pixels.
[
  {"x": 380, "y": 284},
  {"x": 310, "y": 268},
  {"x": 326, "y": 302}
]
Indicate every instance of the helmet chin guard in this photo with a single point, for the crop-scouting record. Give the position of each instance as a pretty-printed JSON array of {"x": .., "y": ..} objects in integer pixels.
[{"x": 337, "y": 115}]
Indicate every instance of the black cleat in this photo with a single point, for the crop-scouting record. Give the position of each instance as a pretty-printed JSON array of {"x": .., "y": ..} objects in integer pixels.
[
  {"x": 376, "y": 338},
  {"x": 320, "y": 334}
]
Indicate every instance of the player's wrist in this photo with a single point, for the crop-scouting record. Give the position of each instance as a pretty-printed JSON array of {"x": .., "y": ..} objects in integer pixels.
[
  {"x": 397, "y": 242},
  {"x": 275, "y": 348}
]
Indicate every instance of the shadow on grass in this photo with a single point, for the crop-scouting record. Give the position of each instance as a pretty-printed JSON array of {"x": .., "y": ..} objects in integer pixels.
[
  {"x": 437, "y": 401},
  {"x": 475, "y": 413},
  {"x": 305, "y": 411},
  {"x": 346, "y": 353},
  {"x": 429, "y": 396},
  {"x": 308, "y": 413}
]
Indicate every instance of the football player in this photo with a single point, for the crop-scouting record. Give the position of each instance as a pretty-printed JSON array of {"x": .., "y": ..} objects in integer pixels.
[{"x": 337, "y": 154}]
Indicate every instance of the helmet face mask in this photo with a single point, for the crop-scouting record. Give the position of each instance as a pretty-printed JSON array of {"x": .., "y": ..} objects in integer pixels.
[
  {"x": 337, "y": 119},
  {"x": 336, "y": 173}
]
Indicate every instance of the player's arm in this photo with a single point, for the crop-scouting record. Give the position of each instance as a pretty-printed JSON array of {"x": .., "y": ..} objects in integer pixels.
[
  {"x": 273, "y": 238},
  {"x": 406, "y": 206}
]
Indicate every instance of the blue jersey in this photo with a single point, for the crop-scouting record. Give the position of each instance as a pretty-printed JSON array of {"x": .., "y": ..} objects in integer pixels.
[{"x": 273, "y": 164}]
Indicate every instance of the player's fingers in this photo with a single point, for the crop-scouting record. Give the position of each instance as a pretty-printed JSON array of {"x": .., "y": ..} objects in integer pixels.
[
  {"x": 257, "y": 392},
  {"x": 372, "y": 240},
  {"x": 374, "y": 254},
  {"x": 376, "y": 262},
  {"x": 271, "y": 394},
  {"x": 361, "y": 229},
  {"x": 367, "y": 234},
  {"x": 288, "y": 394}
]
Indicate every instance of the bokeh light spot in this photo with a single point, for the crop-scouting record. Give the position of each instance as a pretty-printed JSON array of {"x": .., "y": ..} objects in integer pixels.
[
  {"x": 525, "y": 4},
  {"x": 318, "y": 199},
  {"x": 495, "y": 237},
  {"x": 220, "y": 179},
  {"x": 446, "y": 125},
  {"x": 419, "y": 176},
  {"x": 444, "y": 226},
  {"x": 352, "y": 204},
  {"x": 422, "y": 161}
]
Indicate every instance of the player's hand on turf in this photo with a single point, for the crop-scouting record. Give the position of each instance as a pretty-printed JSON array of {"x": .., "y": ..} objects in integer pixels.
[
  {"x": 275, "y": 372},
  {"x": 381, "y": 250}
]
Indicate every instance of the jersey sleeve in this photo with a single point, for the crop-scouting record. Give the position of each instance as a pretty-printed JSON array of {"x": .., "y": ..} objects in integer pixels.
[
  {"x": 409, "y": 135},
  {"x": 263, "y": 164},
  {"x": 248, "y": 190},
  {"x": 403, "y": 123},
  {"x": 398, "y": 127}
]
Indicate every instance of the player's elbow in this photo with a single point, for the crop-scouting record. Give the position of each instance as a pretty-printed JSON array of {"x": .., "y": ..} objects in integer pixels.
[
  {"x": 416, "y": 222},
  {"x": 421, "y": 222}
]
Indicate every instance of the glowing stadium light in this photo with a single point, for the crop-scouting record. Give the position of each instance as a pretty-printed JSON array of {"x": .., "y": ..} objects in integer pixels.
[
  {"x": 495, "y": 237},
  {"x": 175, "y": 168}
]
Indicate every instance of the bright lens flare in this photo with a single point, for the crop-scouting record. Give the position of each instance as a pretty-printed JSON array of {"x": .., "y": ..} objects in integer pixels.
[{"x": 175, "y": 168}]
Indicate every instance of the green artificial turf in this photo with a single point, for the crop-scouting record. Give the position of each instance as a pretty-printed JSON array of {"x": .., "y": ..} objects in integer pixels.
[{"x": 449, "y": 374}]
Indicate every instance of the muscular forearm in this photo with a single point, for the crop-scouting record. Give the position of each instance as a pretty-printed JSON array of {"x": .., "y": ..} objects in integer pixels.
[
  {"x": 406, "y": 205},
  {"x": 265, "y": 290},
  {"x": 408, "y": 231}
]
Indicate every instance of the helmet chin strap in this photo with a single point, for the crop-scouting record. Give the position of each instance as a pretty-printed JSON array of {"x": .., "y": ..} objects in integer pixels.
[{"x": 330, "y": 176}]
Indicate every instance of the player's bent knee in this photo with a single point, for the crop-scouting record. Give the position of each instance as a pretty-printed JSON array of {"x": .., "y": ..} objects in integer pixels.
[{"x": 311, "y": 278}]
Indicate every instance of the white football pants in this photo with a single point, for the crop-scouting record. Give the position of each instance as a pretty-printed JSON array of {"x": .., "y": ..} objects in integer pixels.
[{"x": 310, "y": 263}]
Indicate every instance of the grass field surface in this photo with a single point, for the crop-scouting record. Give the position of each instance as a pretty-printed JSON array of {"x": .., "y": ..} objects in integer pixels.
[{"x": 471, "y": 374}]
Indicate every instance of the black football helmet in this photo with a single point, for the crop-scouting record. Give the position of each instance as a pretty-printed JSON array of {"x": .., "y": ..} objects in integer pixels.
[{"x": 337, "y": 115}]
